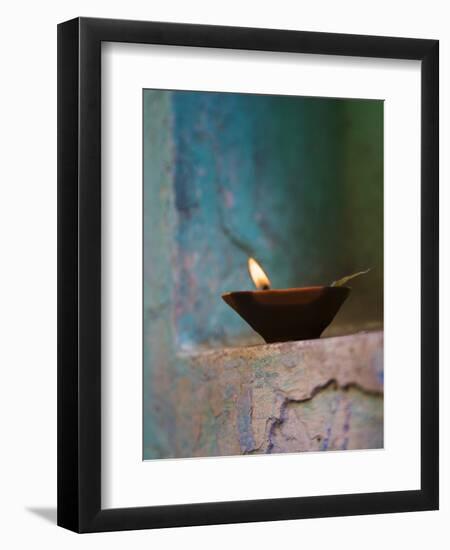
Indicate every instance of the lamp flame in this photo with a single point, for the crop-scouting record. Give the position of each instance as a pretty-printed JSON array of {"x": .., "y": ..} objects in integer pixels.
[{"x": 259, "y": 278}]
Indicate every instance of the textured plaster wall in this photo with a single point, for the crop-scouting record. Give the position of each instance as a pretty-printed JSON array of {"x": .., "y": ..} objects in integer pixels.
[{"x": 295, "y": 182}]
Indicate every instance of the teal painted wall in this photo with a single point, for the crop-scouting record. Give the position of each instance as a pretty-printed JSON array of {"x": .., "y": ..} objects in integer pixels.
[{"x": 295, "y": 182}]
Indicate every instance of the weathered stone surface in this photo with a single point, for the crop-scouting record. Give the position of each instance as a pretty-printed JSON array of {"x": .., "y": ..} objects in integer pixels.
[{"x": 316, "y": 395}]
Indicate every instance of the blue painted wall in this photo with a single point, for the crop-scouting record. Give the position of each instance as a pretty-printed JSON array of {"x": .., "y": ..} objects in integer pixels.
[{"x": 295, "y": 182}]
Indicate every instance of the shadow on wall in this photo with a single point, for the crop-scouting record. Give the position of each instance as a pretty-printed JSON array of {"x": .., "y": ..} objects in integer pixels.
[{"x": 46, "y": 513}]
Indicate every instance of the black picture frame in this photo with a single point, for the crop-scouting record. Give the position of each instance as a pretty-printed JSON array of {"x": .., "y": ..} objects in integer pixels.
[{"x": 79, "y": 274}]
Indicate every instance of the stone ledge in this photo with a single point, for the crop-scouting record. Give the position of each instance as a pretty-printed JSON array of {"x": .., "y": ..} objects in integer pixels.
[
  {"x": 315, "y": 395},
  {"x": 353, "y": 359}
]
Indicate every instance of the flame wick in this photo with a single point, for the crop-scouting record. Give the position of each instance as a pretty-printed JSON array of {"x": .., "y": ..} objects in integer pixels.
[{"x": 257, "y": 275}]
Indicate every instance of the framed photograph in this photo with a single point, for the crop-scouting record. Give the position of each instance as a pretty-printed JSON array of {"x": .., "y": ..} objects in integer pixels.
[{"x": 247, "y": 276}]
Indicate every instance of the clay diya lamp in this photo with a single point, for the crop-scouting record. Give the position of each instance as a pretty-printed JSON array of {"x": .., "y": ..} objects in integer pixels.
[{"x": 291, "y": 313}]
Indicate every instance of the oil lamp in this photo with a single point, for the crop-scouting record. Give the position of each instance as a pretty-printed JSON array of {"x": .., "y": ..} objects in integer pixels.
[{"x": 280, "y": 315}]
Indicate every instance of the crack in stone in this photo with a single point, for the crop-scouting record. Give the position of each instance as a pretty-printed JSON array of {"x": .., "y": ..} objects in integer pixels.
[{"x": 277, "y": 421}]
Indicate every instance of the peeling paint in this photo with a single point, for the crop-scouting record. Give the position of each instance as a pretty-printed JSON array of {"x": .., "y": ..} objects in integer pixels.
[{"x": 256, "y": 401}]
